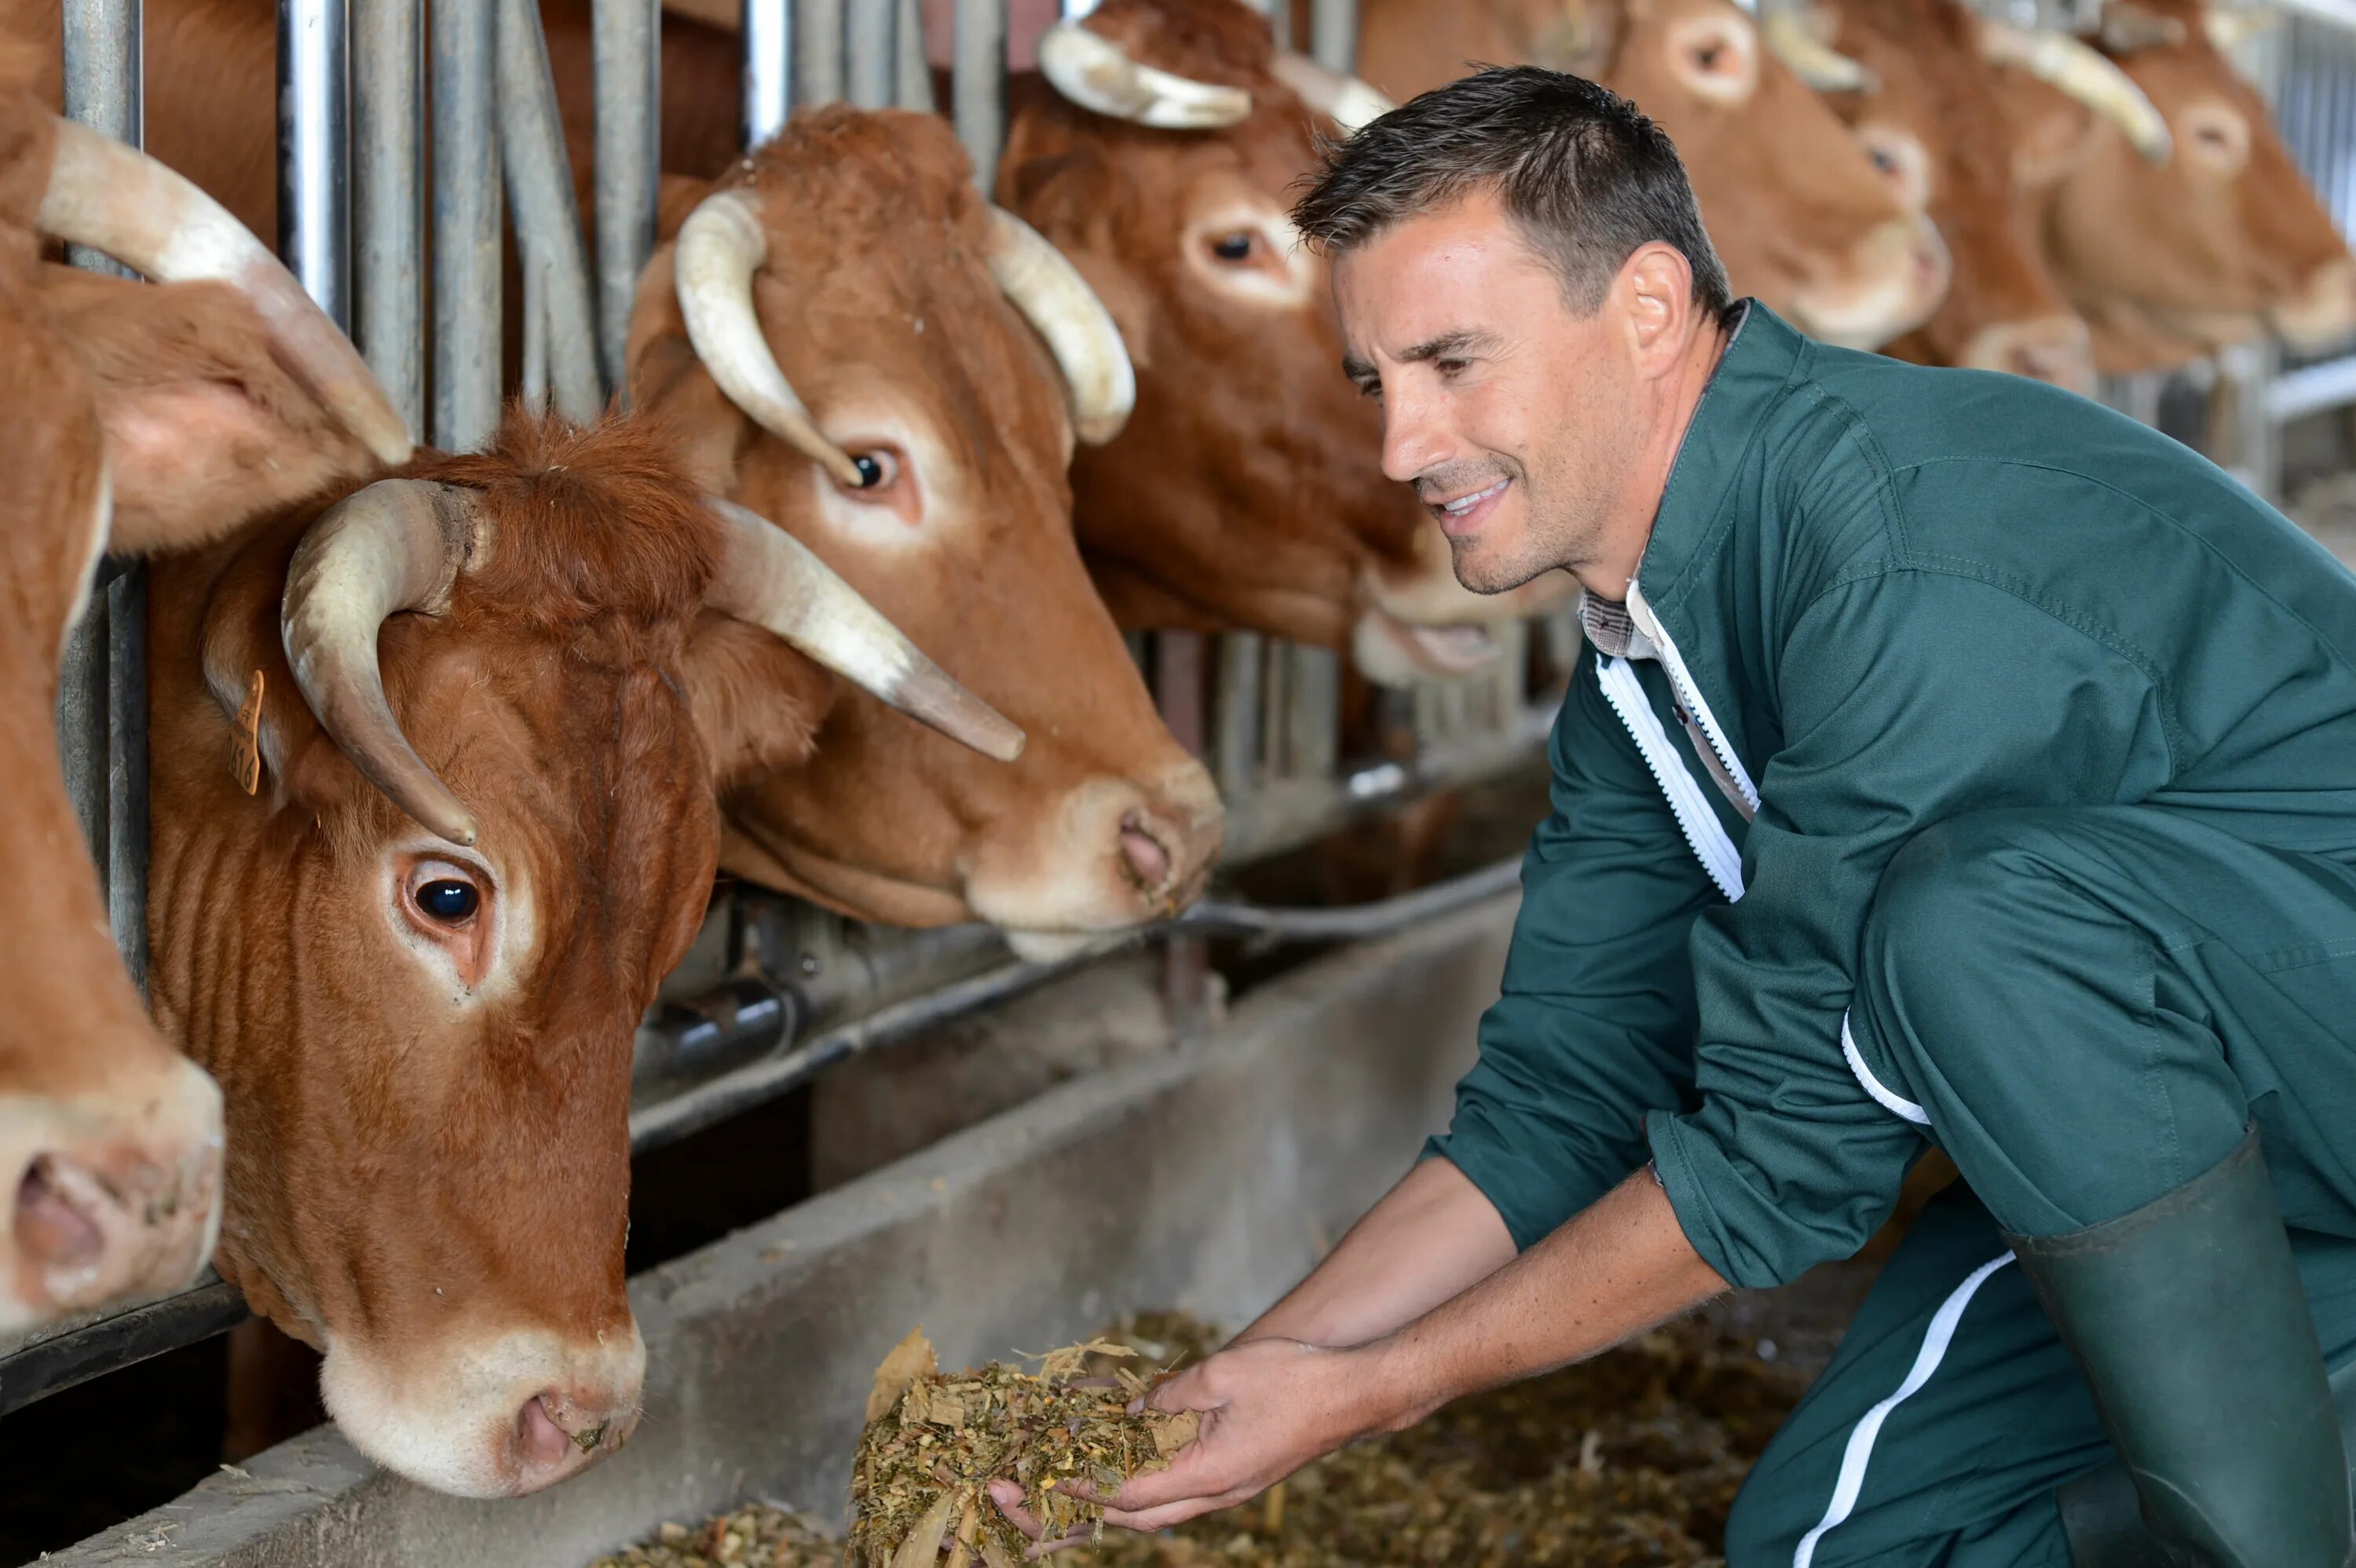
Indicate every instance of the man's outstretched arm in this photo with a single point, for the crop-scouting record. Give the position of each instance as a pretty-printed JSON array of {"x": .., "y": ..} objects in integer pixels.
[{"x": 1271, "y": 1406}]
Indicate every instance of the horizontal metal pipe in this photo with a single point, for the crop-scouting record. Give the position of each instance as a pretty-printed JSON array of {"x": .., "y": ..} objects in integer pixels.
[
  {"x": 64, "y": 1357},
  {"x": 1356, "y": 922}
]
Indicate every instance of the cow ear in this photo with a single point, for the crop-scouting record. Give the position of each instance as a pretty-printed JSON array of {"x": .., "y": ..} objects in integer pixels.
[
  {"x": 1068, "y": 196},
  {"x": 204, "y": 429},
  {"x": 757, "y": 703},
  {"x": 272, "y": 746}
]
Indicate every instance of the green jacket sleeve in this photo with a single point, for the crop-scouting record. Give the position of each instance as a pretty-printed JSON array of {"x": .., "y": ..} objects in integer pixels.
[
  {"x": 1908, "y": 698},
  {"x": 1593, "y": 1026}
]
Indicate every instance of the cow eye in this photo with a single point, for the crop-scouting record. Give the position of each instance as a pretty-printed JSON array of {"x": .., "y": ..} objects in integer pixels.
[
  {"x": 879, "y": 468},
  {"x": 1706, "y": 56},
  {"x": 448, "y": 901},
  {"x": 1236, "y": 247},
  {"x": 1882, "y": 160}
]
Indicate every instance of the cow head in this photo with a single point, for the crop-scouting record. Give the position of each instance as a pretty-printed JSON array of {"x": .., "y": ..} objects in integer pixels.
[
  {"x": 481, "y": 828},
  {"x": 1246, "y": 491},
  {"x": 143, "y": 415},
  {"x": 2221, "y": 242},
  {"x": 1927, "y": 109},
  {"x": 895, "y": 372},
  {"x": 1799, "y": 214}
]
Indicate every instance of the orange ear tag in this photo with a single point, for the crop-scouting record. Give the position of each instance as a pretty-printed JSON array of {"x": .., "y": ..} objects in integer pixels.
[{"x": 245, "y": 739}]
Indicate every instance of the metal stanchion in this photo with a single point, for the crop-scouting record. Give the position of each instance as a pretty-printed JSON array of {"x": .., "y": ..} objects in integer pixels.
[
  {"x": 547, "y": 217},
  {"x": 387, "y": 229},
  {"x": 913, "y": 86},
  {"x": 871, "y": 52},
  {"x": 627, "y": 45},
  {"x": 769, "y": 54},
  {"x": 465, "y": 225},
  {"x": 818, "y": 51},
  {"x": 978, "y": 85},
  {"x": 314, "y": 146},
  {"x": 1334, "y": 33}
]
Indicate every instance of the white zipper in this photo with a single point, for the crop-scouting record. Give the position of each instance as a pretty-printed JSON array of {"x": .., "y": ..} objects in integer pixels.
[
  {"x": 1690, "y": 696},
  {"x": 1708, "y": 835}
]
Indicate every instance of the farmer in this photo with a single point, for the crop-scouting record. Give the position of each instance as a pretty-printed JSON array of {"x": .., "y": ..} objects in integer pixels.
[{"x": 1953, "y": 762}]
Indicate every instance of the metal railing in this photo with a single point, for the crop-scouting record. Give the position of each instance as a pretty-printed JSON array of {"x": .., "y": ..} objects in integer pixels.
[{"x": 774, "y": 990}]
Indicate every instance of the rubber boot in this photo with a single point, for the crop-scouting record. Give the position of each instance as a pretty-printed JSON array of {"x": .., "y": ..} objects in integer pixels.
[{"x": 2190, "y": 1321}]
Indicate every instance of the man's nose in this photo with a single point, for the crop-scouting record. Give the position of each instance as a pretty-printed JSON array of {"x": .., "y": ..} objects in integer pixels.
[{"x": 1412, "y": 442}]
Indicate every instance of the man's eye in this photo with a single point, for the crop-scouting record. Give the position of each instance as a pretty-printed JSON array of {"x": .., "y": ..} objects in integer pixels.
[{"x": 1449, "y": 366}]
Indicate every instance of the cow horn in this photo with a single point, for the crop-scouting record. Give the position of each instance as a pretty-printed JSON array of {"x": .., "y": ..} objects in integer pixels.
[
  {"x": 1814, "y": 62},
  {"x": 2126, "y": 27},
  {"x": 398, "y": 545},
  {"x": 117, "y": 199},
  {"x": 721, "y": 246},
  {"x": 1347, "y": 101},
  {"x": 2228, "y": 28},
  {"x": 1093, "y": 72},
  {"x": 2085, "y": 75},
  {"x": 771, "y": 580},
  {"x": 1059, "y": 305}
]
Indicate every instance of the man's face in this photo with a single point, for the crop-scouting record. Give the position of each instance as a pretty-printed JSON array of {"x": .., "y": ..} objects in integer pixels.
[{"x": 1516, "y": 421}]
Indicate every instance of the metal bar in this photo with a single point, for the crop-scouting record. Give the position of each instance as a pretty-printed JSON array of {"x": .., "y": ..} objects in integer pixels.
[
  {"x": 314, "y": 136},
  {"x": 101, "y": 688},
  {"x": 818, "y": 51},
  {"x": 978, "y": 85},
  {"x": 871, "y": 51},
  {"x": 626, "y": 46},
  {"x": 1235, "y": 757},
  {"x": 466, "y": 224},
  {"x": 534, "y": 390},
  {"x": 1334, "y": 33},
  {"x": 62, "y": 1357},
  {"x": 1355, "y": 923},
  {"x": 1312, "y": 709},
  {"x": 547, "y": 217},
  {"x": 770, "y": 48},
  {"x": 387, "y": 219},
  {"x": 1178, "y": 667},
  {"x": 914, "y": 86}
]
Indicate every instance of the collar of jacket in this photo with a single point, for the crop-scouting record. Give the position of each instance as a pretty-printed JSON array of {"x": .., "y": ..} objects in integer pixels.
[{"x": 1763, "y": 357}]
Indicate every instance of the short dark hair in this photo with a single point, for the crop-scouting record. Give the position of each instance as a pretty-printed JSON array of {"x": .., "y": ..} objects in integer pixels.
[{"x": 1586, "y": 176}]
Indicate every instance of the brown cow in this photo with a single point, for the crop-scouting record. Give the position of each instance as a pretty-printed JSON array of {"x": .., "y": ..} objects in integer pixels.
[
  {"x": 483, "y": 755},
  {"x": 1929, "y": 115},
  {"x": 1247, "y": 491},
  {"x": 2220, "y": 244},
  {"x": 1797, "y": 212},
  {"x": 874, "y": 351},
  {"x": 146, "y": 416}
]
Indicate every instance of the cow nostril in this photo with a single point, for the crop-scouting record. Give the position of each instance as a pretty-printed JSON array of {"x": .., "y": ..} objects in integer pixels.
[
  {"x": 1145, "y": 856},
  {"x": 543, "y": 1442},
  {"x": 52, "y": 1227}
]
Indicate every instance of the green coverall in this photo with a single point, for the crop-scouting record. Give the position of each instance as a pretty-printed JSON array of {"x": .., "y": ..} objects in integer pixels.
[{"x": 1970, "y": 765}]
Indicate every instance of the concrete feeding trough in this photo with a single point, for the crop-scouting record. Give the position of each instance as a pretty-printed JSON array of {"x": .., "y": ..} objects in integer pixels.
[{"x": 1207, "y": 1179}]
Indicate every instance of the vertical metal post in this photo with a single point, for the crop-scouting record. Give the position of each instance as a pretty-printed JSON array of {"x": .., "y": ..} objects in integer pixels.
[
  {"x": 873, "y": 52},
  {"x": 547, "y": 216},
  {"x": 818, "y": 51},
  {"x": 1074, "y": 10},
  {"x": 1333, "y": 34},
  {"x": 1312, "y": 709},
  {"x": 465, "y": 225},
  {"x": 913, "y": 87},
  {"x": 387, "y": 229},
  {"x": 1236, "y": 757},
  {"x": 1178, "y": 693},
  {"x": 102, "y": 685},
  {"x": 978, "y": 85},
  {"x": 314, "y": 149},
  {"x": 770, "y": 47},
  {"x": 626, "y": 48}
]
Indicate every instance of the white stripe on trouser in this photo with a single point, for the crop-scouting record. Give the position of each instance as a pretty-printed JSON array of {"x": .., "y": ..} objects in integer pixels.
[
  {"x": 1859, "y": 1451},
  {"x": 1890, "y": 1099}
]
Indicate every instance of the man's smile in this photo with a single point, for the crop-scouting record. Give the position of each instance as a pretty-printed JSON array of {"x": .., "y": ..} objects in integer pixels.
[{"x": 1462, "y": 515}]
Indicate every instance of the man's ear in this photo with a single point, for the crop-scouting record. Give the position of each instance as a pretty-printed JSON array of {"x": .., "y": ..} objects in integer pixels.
[
  {"x": 1655, "y": 294},
  {"x": 757, "y": 703},
  {"x": 205, "y": 430}
]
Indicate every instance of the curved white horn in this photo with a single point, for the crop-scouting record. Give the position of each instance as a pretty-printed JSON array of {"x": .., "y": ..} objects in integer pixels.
[
  {"x": 1058, "y": 302},
  {"x": 2126, "y": 26},
  {"x": 721, "y": 246},
  {"x": 1817, "y": 63},
  {"x": 2228, "y": 28},
  {"x": 119, "y": 200},
  {"x": 771, "y": 580},
  {"x": 1092, "y": 71},
  {"x": 2085, "y": 75},
  {"x": 398, "y": 545},
  {"x": 1347, "y": 101}
]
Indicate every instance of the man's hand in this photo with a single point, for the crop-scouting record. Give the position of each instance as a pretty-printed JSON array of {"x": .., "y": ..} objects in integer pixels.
[{"x": 1269, "y": 1407}]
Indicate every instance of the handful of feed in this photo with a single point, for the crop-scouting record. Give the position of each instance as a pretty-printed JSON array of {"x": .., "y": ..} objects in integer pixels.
[{"x": 934, "y": 1443}]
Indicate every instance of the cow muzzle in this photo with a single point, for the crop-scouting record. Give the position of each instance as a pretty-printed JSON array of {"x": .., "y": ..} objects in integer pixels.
[
  {"x": 2056, "y": 349},
  {"x": 499, "y": 1417},
  {"x": 117, "y": 1196},
  {"x": 1114, "y": 855},
  {"x": 1420, "y": 624},
  {"x": 1891, "y": 282},
  {"x": 2322, "y": 310}
]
